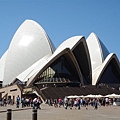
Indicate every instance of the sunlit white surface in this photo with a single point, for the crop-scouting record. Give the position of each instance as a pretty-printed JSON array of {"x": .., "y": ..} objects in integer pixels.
[
  {"x": 2, "y": 65},
  {"x": 29, "y": 44},
  {"x": 95, "y": 51},
  {"x": 25, "y": 75},
  {"x": 98, "y": 53},
  {"x": 69, "y": 43},
  {"x": 25, "y": 40}
]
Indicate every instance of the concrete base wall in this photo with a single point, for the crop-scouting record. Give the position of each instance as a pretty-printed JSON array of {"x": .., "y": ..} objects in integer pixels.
[{"x": 11, "y": 92}]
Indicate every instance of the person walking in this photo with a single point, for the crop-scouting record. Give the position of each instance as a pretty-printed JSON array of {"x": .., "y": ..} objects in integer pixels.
[
  {"x": 96, "y": 104},
  {"x": 70, "y": 103},
  {"x": 65, "y": 102},
  {"x": 79, "y": 101},
  {"x": 39, "y": 102},
  {"x": 18, "y": 101}
]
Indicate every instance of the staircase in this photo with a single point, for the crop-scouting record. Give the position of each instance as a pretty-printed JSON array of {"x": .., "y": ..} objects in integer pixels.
[{"x": 38, "y": 92}]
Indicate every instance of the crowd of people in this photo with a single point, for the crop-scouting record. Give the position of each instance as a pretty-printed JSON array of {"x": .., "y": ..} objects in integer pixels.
[
  {"x": 71, "y": 103},
  {"x": 22, "y": 102},
  {"x": 77, "y": 103},
  {"x": 34, "y": 103}
]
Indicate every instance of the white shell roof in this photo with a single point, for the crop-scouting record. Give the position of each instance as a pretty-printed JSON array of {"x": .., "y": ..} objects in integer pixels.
[
  {"x": 24, "y": 76},
  {"x": 98, "y": 51},
  {"x": 69, "y": 43},
  {"x": 32, "y": 71},
  {"x": 95, "y": 51},
  {"x": 31, "y": 52},
  {"x": 29, "y": 44},
  {"x": 43, "y": 65},
  {"x": 72, "y": 43},
  {"x": 98, "y": 72},
  {"x": 2, "y": 65}
]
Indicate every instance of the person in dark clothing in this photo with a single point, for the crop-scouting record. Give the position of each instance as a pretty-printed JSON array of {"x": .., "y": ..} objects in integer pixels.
[
  {"x": 18, "y": 101},
  {"x": 96, "y": 104}
]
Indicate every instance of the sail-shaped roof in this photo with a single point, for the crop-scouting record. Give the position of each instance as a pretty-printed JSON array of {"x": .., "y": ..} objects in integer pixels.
[
  {"x": 108, "y": 72},
  {"x": 25, "y": 49}
]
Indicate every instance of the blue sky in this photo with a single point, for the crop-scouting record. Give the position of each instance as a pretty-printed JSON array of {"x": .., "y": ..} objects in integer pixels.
[{"x": 62, "y": 19}]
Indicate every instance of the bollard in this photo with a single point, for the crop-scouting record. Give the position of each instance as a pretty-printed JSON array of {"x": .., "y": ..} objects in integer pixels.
[
  {"x": 34, "y": 115},
  {"x": 9, "y": 114}
]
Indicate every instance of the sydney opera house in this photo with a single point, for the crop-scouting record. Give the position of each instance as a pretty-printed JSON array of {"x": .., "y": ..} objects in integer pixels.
[{"x": 33, "y": 66}]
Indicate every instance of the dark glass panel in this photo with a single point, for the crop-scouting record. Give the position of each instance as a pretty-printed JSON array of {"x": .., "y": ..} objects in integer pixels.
[
  {"x": 111, "y": 75},
  {"x": 81, "y": 57}
]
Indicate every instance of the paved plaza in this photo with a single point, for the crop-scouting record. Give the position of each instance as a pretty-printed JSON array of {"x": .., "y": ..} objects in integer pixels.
[{"x": 51, "y": 113}]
